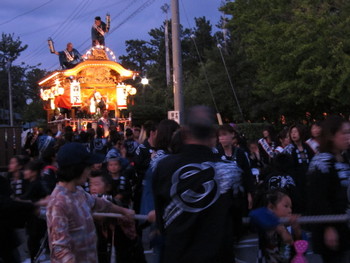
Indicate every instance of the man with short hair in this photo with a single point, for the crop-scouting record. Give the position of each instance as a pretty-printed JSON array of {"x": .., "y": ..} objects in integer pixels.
[
  {"x": 71, "y": 229},
  {"x": 98, "y": 31},
  {"x": 194, "y": 194},
  {"x": 69, "y": 57}
]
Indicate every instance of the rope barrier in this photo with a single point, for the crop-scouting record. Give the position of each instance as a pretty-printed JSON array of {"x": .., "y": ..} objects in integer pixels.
[
  {"x": 318, "y": 219},
  {"x": 112, "y": 215}
]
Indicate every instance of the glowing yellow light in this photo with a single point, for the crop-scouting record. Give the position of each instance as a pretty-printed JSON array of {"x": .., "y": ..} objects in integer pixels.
[
  {"x": 144, "y": 81},
  {"x": 132, "y": 91},
  {"x": 48, "y": 78},
  {"x": 60, "y": 91}
]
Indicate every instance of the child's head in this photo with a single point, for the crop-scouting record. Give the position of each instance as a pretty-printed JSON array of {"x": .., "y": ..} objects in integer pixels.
[
  {"x": 100, "y": 182},
  {"x": 96, "y": 166},
  {"x": 253, "y": 147},
  {"x": 17, "y": 163},
  {"x": 226, "y": 134},
  {"x": 114, "y": 165},
  {"x": 279, "y": 203},
  {"x": 32, "y": 170}
]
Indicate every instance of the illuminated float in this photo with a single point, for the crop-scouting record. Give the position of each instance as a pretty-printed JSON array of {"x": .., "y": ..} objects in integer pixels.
[{"x": 84, "y": 91}]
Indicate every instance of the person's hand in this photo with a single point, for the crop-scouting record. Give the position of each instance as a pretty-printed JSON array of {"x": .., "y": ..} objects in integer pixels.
[
  {"x": 119, "y": 197},
  {"x": 123, "y": 151},
  {"x": 151, "y": 217},
  {"x": 250, "y": 201},
  {"x": 43, "y": 202},
  {"x": 293, "y": 220},
  {"x": 128, "y": 213},
  {"x": 331, "y": 238}
]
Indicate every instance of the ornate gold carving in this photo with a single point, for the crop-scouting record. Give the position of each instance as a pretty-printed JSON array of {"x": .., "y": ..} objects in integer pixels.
[
  {"x": 97, "y": 76},
  {"x": 98, "y": 54}
]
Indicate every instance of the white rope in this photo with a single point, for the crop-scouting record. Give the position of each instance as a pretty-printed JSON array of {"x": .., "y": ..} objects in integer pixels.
[
  {"x": 320, "y": 219},
  {"x": 112, "y": 215}
]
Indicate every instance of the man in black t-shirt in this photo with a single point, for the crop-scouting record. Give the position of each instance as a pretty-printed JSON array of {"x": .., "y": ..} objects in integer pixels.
[{"x": 194, "y": 195}]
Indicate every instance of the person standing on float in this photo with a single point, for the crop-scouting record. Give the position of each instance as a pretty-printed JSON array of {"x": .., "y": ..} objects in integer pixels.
[{"x": 98, "y": 31}]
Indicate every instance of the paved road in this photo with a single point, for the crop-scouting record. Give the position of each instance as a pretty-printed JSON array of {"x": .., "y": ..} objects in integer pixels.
[{"x": 246, "y": 251}]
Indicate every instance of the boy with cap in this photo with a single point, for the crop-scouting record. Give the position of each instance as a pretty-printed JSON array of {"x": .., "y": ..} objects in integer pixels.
[{"x": 72, "y": 235}]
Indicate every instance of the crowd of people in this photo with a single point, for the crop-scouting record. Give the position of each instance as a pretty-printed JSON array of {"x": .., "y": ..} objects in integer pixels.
[{"x": 193, "y": 182}]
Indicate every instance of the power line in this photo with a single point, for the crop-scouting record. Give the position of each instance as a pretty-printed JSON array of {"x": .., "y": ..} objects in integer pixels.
[
  {"x": 42, "y": 47},
  {"x": 201, "y": 62},
  {"x": 58, "y": 32},
  {"x": 38, "y": 30},
  {"x": 205, "y": 74},
  {"x": 230, "y": 81},
  {"x": 138, "y": 10},
  {"x": 120, "y": 13},
  {"x": 26, "y": 13}
]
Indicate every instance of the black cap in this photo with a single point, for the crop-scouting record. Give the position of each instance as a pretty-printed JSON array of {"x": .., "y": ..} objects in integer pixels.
[
  {"x": 74, "y": 153},
  {"x": 98, "y": 18}
]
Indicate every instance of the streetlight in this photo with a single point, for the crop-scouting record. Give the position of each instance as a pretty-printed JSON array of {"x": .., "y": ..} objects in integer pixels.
[
  {"x": 8, "y": 68},
  {"x": 144, "y": 82}
]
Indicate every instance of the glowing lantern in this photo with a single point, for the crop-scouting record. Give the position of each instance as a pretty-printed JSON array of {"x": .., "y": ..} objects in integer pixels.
[
  {"x": 92, "y": 106},
  {"x": 121, "y": 96},
  {"x": 132, "y": 91},
  {"x": 60, "y": 91},
  {"x": 75, "y": 94},
  {"x": 52, "y": 104}
]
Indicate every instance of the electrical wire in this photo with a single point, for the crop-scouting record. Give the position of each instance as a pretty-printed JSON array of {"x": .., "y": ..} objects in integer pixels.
[
  {"x": 201, "y": 61},
  {"x": 26, "y": 13},
  {"x": 67, "y": 23},
  {"x": 138, "y": 10},
  {"x": 206, "y": 77},
  {"x": 118, "y": 15},
  {"x": 83, "y": 44},
  {"x": 205, "y": 74},
  {"x": 230, "y": 81},
  {"x": 42, "y": 47}
]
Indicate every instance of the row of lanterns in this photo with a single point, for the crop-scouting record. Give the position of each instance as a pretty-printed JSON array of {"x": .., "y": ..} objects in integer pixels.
[{"x": 122, "y": 91}]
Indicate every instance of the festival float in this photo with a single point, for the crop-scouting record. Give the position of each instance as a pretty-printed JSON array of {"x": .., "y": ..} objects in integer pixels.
[{"x": 79, "y": 95}]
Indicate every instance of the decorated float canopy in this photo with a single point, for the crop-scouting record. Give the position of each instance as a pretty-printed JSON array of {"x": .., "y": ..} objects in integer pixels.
[{"x": 95, "y": 80}]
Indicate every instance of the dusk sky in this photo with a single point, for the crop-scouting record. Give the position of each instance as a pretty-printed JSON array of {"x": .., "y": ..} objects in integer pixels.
[{"x": 70, "y": 21}]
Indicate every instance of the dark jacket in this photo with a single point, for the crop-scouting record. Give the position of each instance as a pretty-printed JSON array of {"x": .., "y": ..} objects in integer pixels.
[
  {"x": 327, "y": 184},
  {"x": 194, "y": 194}
]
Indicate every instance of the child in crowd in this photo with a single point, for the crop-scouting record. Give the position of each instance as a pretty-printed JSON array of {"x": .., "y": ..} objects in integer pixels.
[
  {"x": 276, "y": 240},
  {"x": 119, "y": 170},
  {"x": 15, "y": 174},
  {"x": 122, "y": 236},
  {"x": 36, "y": 227},
  {"x": 48, "y": 173},
  {"x": 100, "y": 143}
]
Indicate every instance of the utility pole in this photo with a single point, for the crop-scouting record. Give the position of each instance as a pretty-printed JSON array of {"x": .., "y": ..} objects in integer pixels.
[
  {"x": 165, "y": 9},
  {"x": 8, "y": 67},
  {"x": 177, "y": 60}
]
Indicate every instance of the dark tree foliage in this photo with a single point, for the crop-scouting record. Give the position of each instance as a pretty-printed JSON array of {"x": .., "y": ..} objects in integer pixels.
[{"x": 24, "y": 81}]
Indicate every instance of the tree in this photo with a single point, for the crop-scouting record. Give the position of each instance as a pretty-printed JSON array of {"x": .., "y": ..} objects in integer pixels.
[
  {"x": 10, "y": 49},
  {"x": 23, "y": 79},
  {"x": 299, "y": 51},
  {"x": 138, "y": 55}
]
